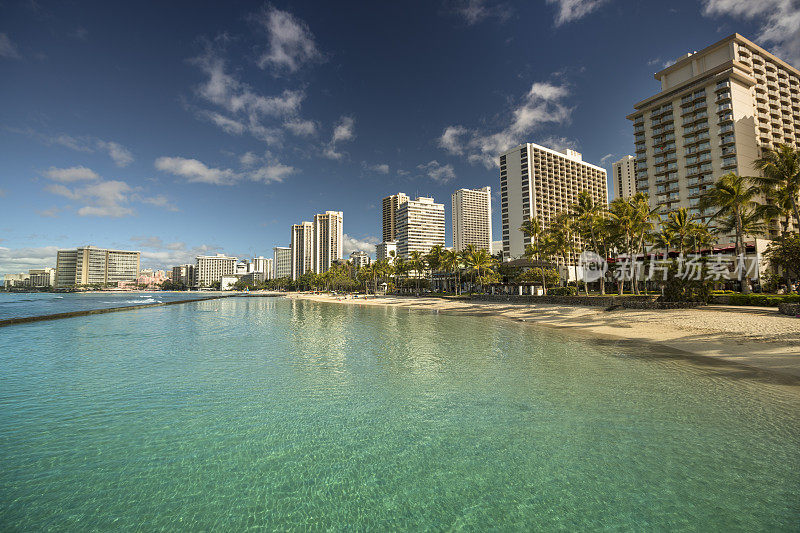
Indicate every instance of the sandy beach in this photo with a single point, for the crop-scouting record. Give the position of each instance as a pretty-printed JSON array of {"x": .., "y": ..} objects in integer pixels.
[{"x": 755, "y": 337}]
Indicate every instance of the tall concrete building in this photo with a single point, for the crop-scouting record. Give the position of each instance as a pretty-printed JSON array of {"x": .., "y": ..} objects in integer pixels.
[
  {"x": 623, "y": 173},
  {"x": 472, "y": 218},
  {"x": 281, "y": 262},
  {"x": 327, "y": 240},
  {"x": 90, "y": 265},
  {"x": 390, "y": 206},
  {"x": 209, "y": 269},
  {"x": 183, "y": 274},
  {"x": 302, "y": 245},
  {"x": 717, "y": 110},
  {"x": 420, "y": 226},
  {"x": 263, "y": 265},
  {"x": 386, "y": 251},
  {"x": 541, "y": 183}
]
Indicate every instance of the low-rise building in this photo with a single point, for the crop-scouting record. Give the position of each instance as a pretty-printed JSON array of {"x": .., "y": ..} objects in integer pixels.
[
  {"x": 386, "y": 251},
  {"x": 360, "y": 259}
]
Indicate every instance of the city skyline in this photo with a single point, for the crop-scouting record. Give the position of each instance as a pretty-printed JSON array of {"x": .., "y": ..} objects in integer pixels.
[{"x": 211, "y": 137}]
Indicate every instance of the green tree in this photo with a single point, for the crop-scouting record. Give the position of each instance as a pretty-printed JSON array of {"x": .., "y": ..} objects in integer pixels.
[{"x": 780, "y": 180}]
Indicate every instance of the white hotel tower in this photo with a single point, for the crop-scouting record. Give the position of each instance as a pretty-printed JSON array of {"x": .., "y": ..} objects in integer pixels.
[
  {"x": 327, "y": 240},
  {"x": 717, "y": 110},
  {"x": 472, "y": 218},
  {"x": 420, "y": 226},
  {"x": 302, "y": 246},
  {"x": 541, "y": 183}
]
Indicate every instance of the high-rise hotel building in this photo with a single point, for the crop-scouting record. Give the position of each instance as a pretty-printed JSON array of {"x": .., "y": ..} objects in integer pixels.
[
  {"x": 281, "y": 262},
  {"x": 209, "y": 269},
  {"x": 717, "y": 109},
  {"x": 327, "y": 240},
  {"x": 89, "y": 265},
  {"x": 537, "y": 182},
  {"x": 390, "y": 206},
  {"x": 623, "y": 173},
  {"x": 420, "y": 226},
  {"x": 302, "y": 245},
  {"x": 472, "y": 218}
]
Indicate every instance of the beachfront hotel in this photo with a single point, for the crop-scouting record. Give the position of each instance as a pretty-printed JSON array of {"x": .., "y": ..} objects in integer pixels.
[
  {"x": 90, "y": 265},
  {"x": 386, "y": 251},
  {"x": 281, "y": 262},
  {"x": 717, "y": 110},
  {"x": 302, "y": 245},
  {"x": 623, "y": 173},
  {"x": 390, "y": 206},
  {"x": 209, "y": 269},
  {"x": 263, "y": 265},
  {"x": 472, "y": 218},
  {"x": 537, "y": 182},
  {"x": 360, "y": 259},
  {"x": 420, "y": 226},
  {"x": 183, "y": 274},
  {"x": 327, "y": 240}
]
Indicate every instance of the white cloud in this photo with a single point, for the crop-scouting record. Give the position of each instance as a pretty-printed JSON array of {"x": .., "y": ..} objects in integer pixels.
[
  {"x": 779, "y": 20},
  {"x": 24, "y": 259},
  {"x": 291, "y": 43},
  {"x": 475, "y": 11},
  {"x": 85, "y": 143},
  {"x": 249, "y": 159},
  {"x": 7, "y": 48},
  {"x": 273, "y": 172},
  {"x": 606, "y": 158},
  {"x": 380, "y": 168},
  {"x": 68, "y": 175},
  {"x": 572, "y": 10},
  {"x": 195, "y": 171},
  {"x": 49, "y": 213},
  {"x": 159, "y": 200},
  {"x": 121, "y": 156},
  {"x": 301, "y": 127},
  {"x": 437, "y": 172},
  {"x": 543, "y": 104},
  {"x": 343, "y": 131},
  {"x": 102, "y": 198},
  {"x": 558, "y": 143},
  {"x": 350, "y": 244},
  {"x": 226, "y": 124},
  {"x": 159, "y": 254}
]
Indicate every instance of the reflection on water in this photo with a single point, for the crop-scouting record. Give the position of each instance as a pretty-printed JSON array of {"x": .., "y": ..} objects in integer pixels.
[{"x": 276, "y": 414}]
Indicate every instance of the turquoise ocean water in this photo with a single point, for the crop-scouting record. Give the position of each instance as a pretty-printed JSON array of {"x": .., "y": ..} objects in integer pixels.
[
  {"x": 264, "y": 413},
  {"x": 14, "y": 305}
]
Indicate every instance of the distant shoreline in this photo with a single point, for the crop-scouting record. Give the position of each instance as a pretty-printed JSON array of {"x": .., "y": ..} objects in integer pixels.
[{"x": 755, "y": 337}]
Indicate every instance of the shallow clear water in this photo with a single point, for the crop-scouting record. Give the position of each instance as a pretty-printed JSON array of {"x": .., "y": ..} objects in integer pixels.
[
  {"x": 269, "y": 413},
  {"x": 13, "y": 305}
]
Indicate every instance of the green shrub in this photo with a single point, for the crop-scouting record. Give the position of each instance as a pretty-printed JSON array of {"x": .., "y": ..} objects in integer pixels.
[
  {"x": 562, "y": 291},
  {"x": 763, "y": 300}
]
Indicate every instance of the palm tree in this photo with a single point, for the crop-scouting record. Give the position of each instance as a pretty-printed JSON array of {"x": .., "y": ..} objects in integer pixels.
[
  {"x": 559, "y": 237},
  {"x": 434, "y": 260},
  {"x": 731, "y": 196},
  {"x": 631, "y": 224},
  {"x": 780, "y": 179},
  {"x": 589, "y": 216},
  {"x": 532, "y": 229},
  {"x": 732, "y": 199},
  {"x": 679, "y": 225},
  {"x": 416, "y": 262},
  {"x": 451, "y": 262},
  {"x": 480, "y": 261}
]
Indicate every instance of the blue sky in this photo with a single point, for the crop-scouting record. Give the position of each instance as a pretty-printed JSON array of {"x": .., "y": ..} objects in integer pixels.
[{"x": 181, "y": 128}]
